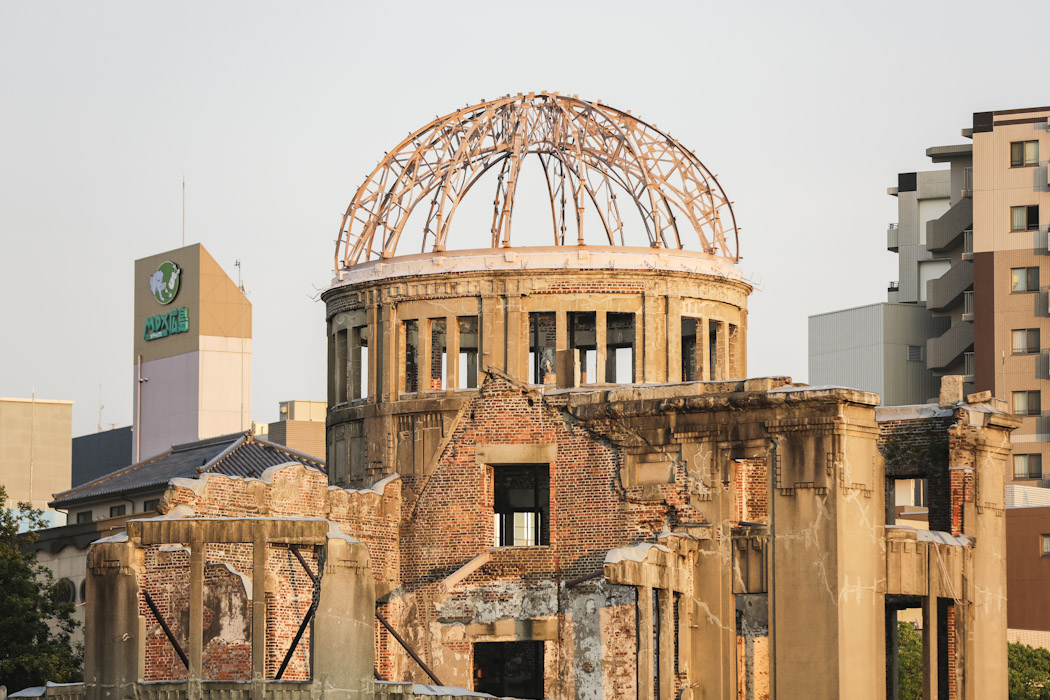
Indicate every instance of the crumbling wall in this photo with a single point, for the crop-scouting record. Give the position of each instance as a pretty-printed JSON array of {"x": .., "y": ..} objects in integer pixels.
[{"x": 165, "y": 576}]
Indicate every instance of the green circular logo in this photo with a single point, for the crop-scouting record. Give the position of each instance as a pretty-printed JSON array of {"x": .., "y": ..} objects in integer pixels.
[{"x": 164, "y": 283}]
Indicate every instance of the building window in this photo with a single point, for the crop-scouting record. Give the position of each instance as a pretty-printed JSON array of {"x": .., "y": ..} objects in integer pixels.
[
  {"x": 1025, "y": 341},
  {"x": 509, "y": 669},
  {"x": 84, "y": 516},
  {"x": 542, "y": 336},
  {"x": 1028, "y": 466},
  {"x": 1024, "y": 279},
  {"x": 66, "y": 591},
  {"x": 1024, "y": 153},
  {"x": 150, "y": 505},
  {"x": 340, "y": 365},
  {"x": 358, "y": 363},
  {"x": 114, "y": 511},
  {"x": 1024, "y": 218},
  {"x": 1044, "y": 542},
  {"x": 914, "y": 353},
  {"x": 619, "y": 348},
  {"x": 410, "y": 360},
  {"x": 438, "y": 355},
  {"x": 83, "y": 591},
  {"x": 468, "y": 352},
  {"x": 1027, "y": 403},
  {"x": 583, "y": 342},
  {"x": 690, "y": 365},
  {"x": 520, "y": 504}
]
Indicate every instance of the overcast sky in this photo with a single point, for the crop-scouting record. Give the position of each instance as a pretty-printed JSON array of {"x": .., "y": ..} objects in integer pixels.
[{"x": 275, "y": 113}]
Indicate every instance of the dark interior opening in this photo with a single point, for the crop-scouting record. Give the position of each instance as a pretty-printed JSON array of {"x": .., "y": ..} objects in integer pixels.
[{"x": 513, "y": 669}]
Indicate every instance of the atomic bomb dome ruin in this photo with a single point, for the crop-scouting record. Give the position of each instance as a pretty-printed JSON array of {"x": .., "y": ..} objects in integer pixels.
[{"x": 548, "y": 475}]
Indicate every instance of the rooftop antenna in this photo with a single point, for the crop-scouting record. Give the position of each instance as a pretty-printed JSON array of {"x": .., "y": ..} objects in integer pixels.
[
  {"x": 100, "y": 407},
  {"x": 183, "y": 211}
]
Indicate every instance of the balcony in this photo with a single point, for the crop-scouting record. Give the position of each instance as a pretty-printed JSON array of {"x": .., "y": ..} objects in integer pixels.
[
  {"x": 943, "y": 233},
  {"x": 968, "y": 365},
  {"x": 967, "y": 253},
  {"x": 944, "y": 351},
  {"x": 967, "y": 191},
  {"x": 891, "y": 238},
  {"x": 946, "y": 289},
  {"x": 967, "y": 314}
]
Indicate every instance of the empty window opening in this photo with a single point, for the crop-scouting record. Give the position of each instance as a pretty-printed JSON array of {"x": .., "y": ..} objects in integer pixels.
[
  {"x": 1028, "y": 466},
  {"x": 619, "y": 348},
  {"x": 1024, "y": 218},
  {"x": 468, "y": 352},
  {"x": 542, "y": 336},
  {"x": 340, "y": 366},
  {"x": 690, "y": 366},
  {"x": 509, "y": 669},
  {"x": 713, "y": 358},
  {"x": 438, "y": 355},
  {"x": 583, "y": 342},
  {"x": 520, "y": 507},
  {"x": 1027, "y": 403},
  {"x": 359, "y": 362},
  {"x": 1024, "y": 153},
  {"x": 1025, "y": 341},
  {"x": 410, "y": 361}
]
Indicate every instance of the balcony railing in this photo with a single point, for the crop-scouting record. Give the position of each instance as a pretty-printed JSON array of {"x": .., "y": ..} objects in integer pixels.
[
  {"x": 968, "y": 305},
  {"x": 968, "y": 244},
  {"x": 968, "y": 364},
  {"x": 967, "y": 182}
]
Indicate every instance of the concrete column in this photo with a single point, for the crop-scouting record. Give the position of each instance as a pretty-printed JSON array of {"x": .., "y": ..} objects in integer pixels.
[
  {"x": 725, "y": 365},
  {"x": 702, "y": 349},
  {"x": 424, "y": 369},
  {"x": 600, "y": 335},
  {"x": 646, "y": 667},
  {"x": 490, "y": 333},
  {"x": 258, "y": 614},
  {"x": 391, "y": 368},
  {"x": 665, "y": 602},
  {"x": 517, "y": 332},
  {"x": 639, "y": 347},
  {"x": 114, "y": 633},
  {"x": 674, "y": 339},
  {"x": 452, "y": 352},
  {"x": 929, "y": 648},
  {"x": 196, "y": 637}
]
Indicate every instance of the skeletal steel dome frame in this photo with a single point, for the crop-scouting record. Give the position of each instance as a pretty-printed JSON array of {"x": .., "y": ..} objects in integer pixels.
[{"x": 587, "y": 150}]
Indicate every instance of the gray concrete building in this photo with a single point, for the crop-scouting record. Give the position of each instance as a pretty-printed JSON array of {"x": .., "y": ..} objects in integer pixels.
[{"x": 901, "y": 347}]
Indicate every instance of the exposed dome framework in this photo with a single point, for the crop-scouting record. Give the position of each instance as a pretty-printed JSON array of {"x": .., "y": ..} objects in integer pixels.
[{"x": 587, "y": 150}]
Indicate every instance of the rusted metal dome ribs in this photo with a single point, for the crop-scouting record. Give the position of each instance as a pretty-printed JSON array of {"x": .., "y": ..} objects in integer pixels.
[{"x": 588, "y": 152}]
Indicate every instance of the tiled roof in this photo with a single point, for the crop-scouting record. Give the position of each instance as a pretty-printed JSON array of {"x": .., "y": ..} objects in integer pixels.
[{"x": 238, "y": 454}]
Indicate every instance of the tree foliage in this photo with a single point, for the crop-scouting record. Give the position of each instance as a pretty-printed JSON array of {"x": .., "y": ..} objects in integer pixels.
[
  {"x": 909, "y": 662},
  {"x": 35, "y": 626},
  {"x": 1029, "y": 672}
]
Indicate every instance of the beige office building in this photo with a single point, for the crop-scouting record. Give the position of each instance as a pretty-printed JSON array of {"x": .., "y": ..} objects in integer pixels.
[
  {"x": 36, "y": 450},
  {"x": 192, "y": 363},
  {"x": 1011, "y": 204}
]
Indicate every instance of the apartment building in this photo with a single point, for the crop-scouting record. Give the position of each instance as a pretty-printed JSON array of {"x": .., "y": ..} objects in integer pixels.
[{"x": 1011, "y": 318}]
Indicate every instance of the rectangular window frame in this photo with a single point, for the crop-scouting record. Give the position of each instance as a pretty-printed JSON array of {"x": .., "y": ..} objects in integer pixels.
[
  {"x": 1024, "y": 217},
  {"x": 1028, "y": 466},
  {"x": 84, "y": 516},
  {"x": 118, "y": 510},
  {"x": 1024, "y": 154},
  {"x": 1024, "y": 280},
  {"x": 1044, "y": 541},
  {"x": 1025, "y": 341},
  {"x": 150, "y": 504},
  {"x": 1026, "y": 402}
]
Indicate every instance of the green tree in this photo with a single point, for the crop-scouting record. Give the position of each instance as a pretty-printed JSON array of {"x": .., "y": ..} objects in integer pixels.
[
  {"x": 909, "y": 662},
  {"x": 1029, "y": 672},
  {"x": 35, "y": 627}
]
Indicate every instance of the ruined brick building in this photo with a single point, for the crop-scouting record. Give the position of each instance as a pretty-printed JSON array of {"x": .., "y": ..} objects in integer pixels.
[{"x": 547, "y": 471}]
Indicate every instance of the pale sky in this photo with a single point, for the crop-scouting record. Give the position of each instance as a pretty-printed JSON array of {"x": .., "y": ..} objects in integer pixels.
[{"x": 276, "y": 112}]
